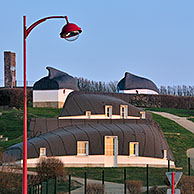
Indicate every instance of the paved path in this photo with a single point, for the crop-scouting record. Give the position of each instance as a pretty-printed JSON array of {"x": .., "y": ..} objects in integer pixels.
[
  {"x": 113, "y": 188},
  {"x": 110, "y": 188},
  {"x": 189, "y": 125}
]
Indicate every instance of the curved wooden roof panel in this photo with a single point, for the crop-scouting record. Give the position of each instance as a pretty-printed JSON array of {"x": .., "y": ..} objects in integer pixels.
[{"x": 63, "y": 141}]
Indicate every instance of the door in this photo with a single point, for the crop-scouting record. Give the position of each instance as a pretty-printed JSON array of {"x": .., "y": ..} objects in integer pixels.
[{"x": 111, "y": 151}]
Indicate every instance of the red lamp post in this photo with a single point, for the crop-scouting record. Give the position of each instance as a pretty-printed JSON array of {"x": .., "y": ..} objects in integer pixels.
[{"x": 69, "y": 32}]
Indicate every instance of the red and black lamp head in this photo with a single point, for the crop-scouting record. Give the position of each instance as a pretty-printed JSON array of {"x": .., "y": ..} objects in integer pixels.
[{"x": 70, "y": 31}]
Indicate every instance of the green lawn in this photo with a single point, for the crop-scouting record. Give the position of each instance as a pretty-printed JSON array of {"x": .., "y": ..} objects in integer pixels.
[
  {"x": 178, "y": 112},
  {"x": 156, "y": 177},
  {"x": 178, "y": 143}
]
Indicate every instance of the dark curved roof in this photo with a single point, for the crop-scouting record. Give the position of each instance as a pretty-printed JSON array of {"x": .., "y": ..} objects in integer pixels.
[
  {"x": 79, "y": 102},
  {"x": 56, "y": 80},
  {"x": 63, "y": 141},
  {"x": 131, "y": 81}
]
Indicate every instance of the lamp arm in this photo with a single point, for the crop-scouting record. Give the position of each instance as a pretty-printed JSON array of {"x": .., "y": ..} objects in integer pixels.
[{"x": 28, "y": 30}]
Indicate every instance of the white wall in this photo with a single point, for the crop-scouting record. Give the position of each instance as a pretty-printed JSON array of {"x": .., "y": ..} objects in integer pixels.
[
  {"x": 100, "y": 160},
  {"x": 63, "y": 93},
  {"x": 140, "y": 91},
  {"x": 51, "y": 95}
]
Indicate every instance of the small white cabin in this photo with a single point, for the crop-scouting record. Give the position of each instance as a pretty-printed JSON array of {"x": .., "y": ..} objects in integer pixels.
[{"x": 52, "y": 90}]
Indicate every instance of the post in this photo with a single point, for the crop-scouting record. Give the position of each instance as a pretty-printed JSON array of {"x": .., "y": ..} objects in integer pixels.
[
  {"x": 30, "y": 190},
  {"x": 25, "y": 186},
  {"x": 103, "y": 177},
  {"x": 147, "y": 178},
  {"x": 125, "y": 177},
  {"x": 173, "y": 182},
  {"x": 168, "y": 165},
  {"x": 85, "y": 182},
  {"x": 41, "y": 187},
  {"x": 47, "y": 186},
  {"x": 69, "y": 183},
  {"x": 55, "y": 186},
  {"x": 189, "y": 166}
]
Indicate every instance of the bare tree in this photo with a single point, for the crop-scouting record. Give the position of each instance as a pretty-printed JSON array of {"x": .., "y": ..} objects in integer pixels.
[{"x": 94, "y": 86}]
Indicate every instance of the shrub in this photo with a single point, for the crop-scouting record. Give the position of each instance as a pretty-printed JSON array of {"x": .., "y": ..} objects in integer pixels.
[
  {"x": 186, "y": 185},
  {"x": 33, "y": 180},
  {"x": 10, "y": 181},
  {"x": 156, "y": 190},
  {"x": 13, "y": 97},
  {"x": 1, "y": 156},
  {"x": 134, "y": 186},
  {"x": 95, "y": 189},
  {"x": 48, "y": 168}
]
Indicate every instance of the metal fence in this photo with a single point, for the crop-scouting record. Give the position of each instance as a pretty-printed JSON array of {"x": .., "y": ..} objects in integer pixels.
[{"x": 51, "y": 186}]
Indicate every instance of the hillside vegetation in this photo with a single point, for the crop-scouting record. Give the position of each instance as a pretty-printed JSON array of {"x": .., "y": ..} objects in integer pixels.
[
  {"x": 11, "y": 123},
  {"x": 11, "y": 126}
]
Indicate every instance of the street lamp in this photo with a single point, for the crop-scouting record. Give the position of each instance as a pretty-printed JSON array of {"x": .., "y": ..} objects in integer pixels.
[{"x": 69, "y": 32}]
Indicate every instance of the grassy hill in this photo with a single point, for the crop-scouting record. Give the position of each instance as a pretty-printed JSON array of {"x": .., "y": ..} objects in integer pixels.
[
  {"x": 11, "y": 123},
  {"x": 11, "y": 126}
]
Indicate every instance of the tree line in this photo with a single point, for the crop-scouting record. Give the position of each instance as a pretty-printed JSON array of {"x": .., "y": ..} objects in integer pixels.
[
  {"x": 101, "y": 86},
  {"x": 177, "y": 90}
]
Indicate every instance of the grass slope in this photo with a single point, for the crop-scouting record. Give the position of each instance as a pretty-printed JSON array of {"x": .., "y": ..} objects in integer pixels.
[
  {"x": 178, "y": 143},
  {"x": 11, "y": 123},
  {"x": 178, "y": 112}
]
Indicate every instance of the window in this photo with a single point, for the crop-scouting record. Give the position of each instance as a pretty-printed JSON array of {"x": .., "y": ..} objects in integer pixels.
[
  {"x": 124, "y": 111},
  {"x": 108, "y": 111},
  {"x": 88, "y": 114},
  {"x": 110, "y": 145},
  {"x": 143, "y": 115},
  {"x": 82, "y": 148},
  {"x": 133, "y": 148},
  {"x": 42, "y": 152}
]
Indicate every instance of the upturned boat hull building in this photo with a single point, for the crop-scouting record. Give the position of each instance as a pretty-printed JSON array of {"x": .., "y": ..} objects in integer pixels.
[
  {"x": 96, "y": 130},
  {"x": 93, "y": 129}
]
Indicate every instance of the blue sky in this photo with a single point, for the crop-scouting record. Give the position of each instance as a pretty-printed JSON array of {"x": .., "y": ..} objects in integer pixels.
[{"x": 150, "y": 38}]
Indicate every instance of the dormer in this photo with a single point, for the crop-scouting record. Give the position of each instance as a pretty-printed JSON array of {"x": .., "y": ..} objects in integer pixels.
[
  {"x": 123, "y": 111},
  {"x": 108, "y": 111},
  {"x": 143, "y": 114},
  {"x": 88, "y": 114}
]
